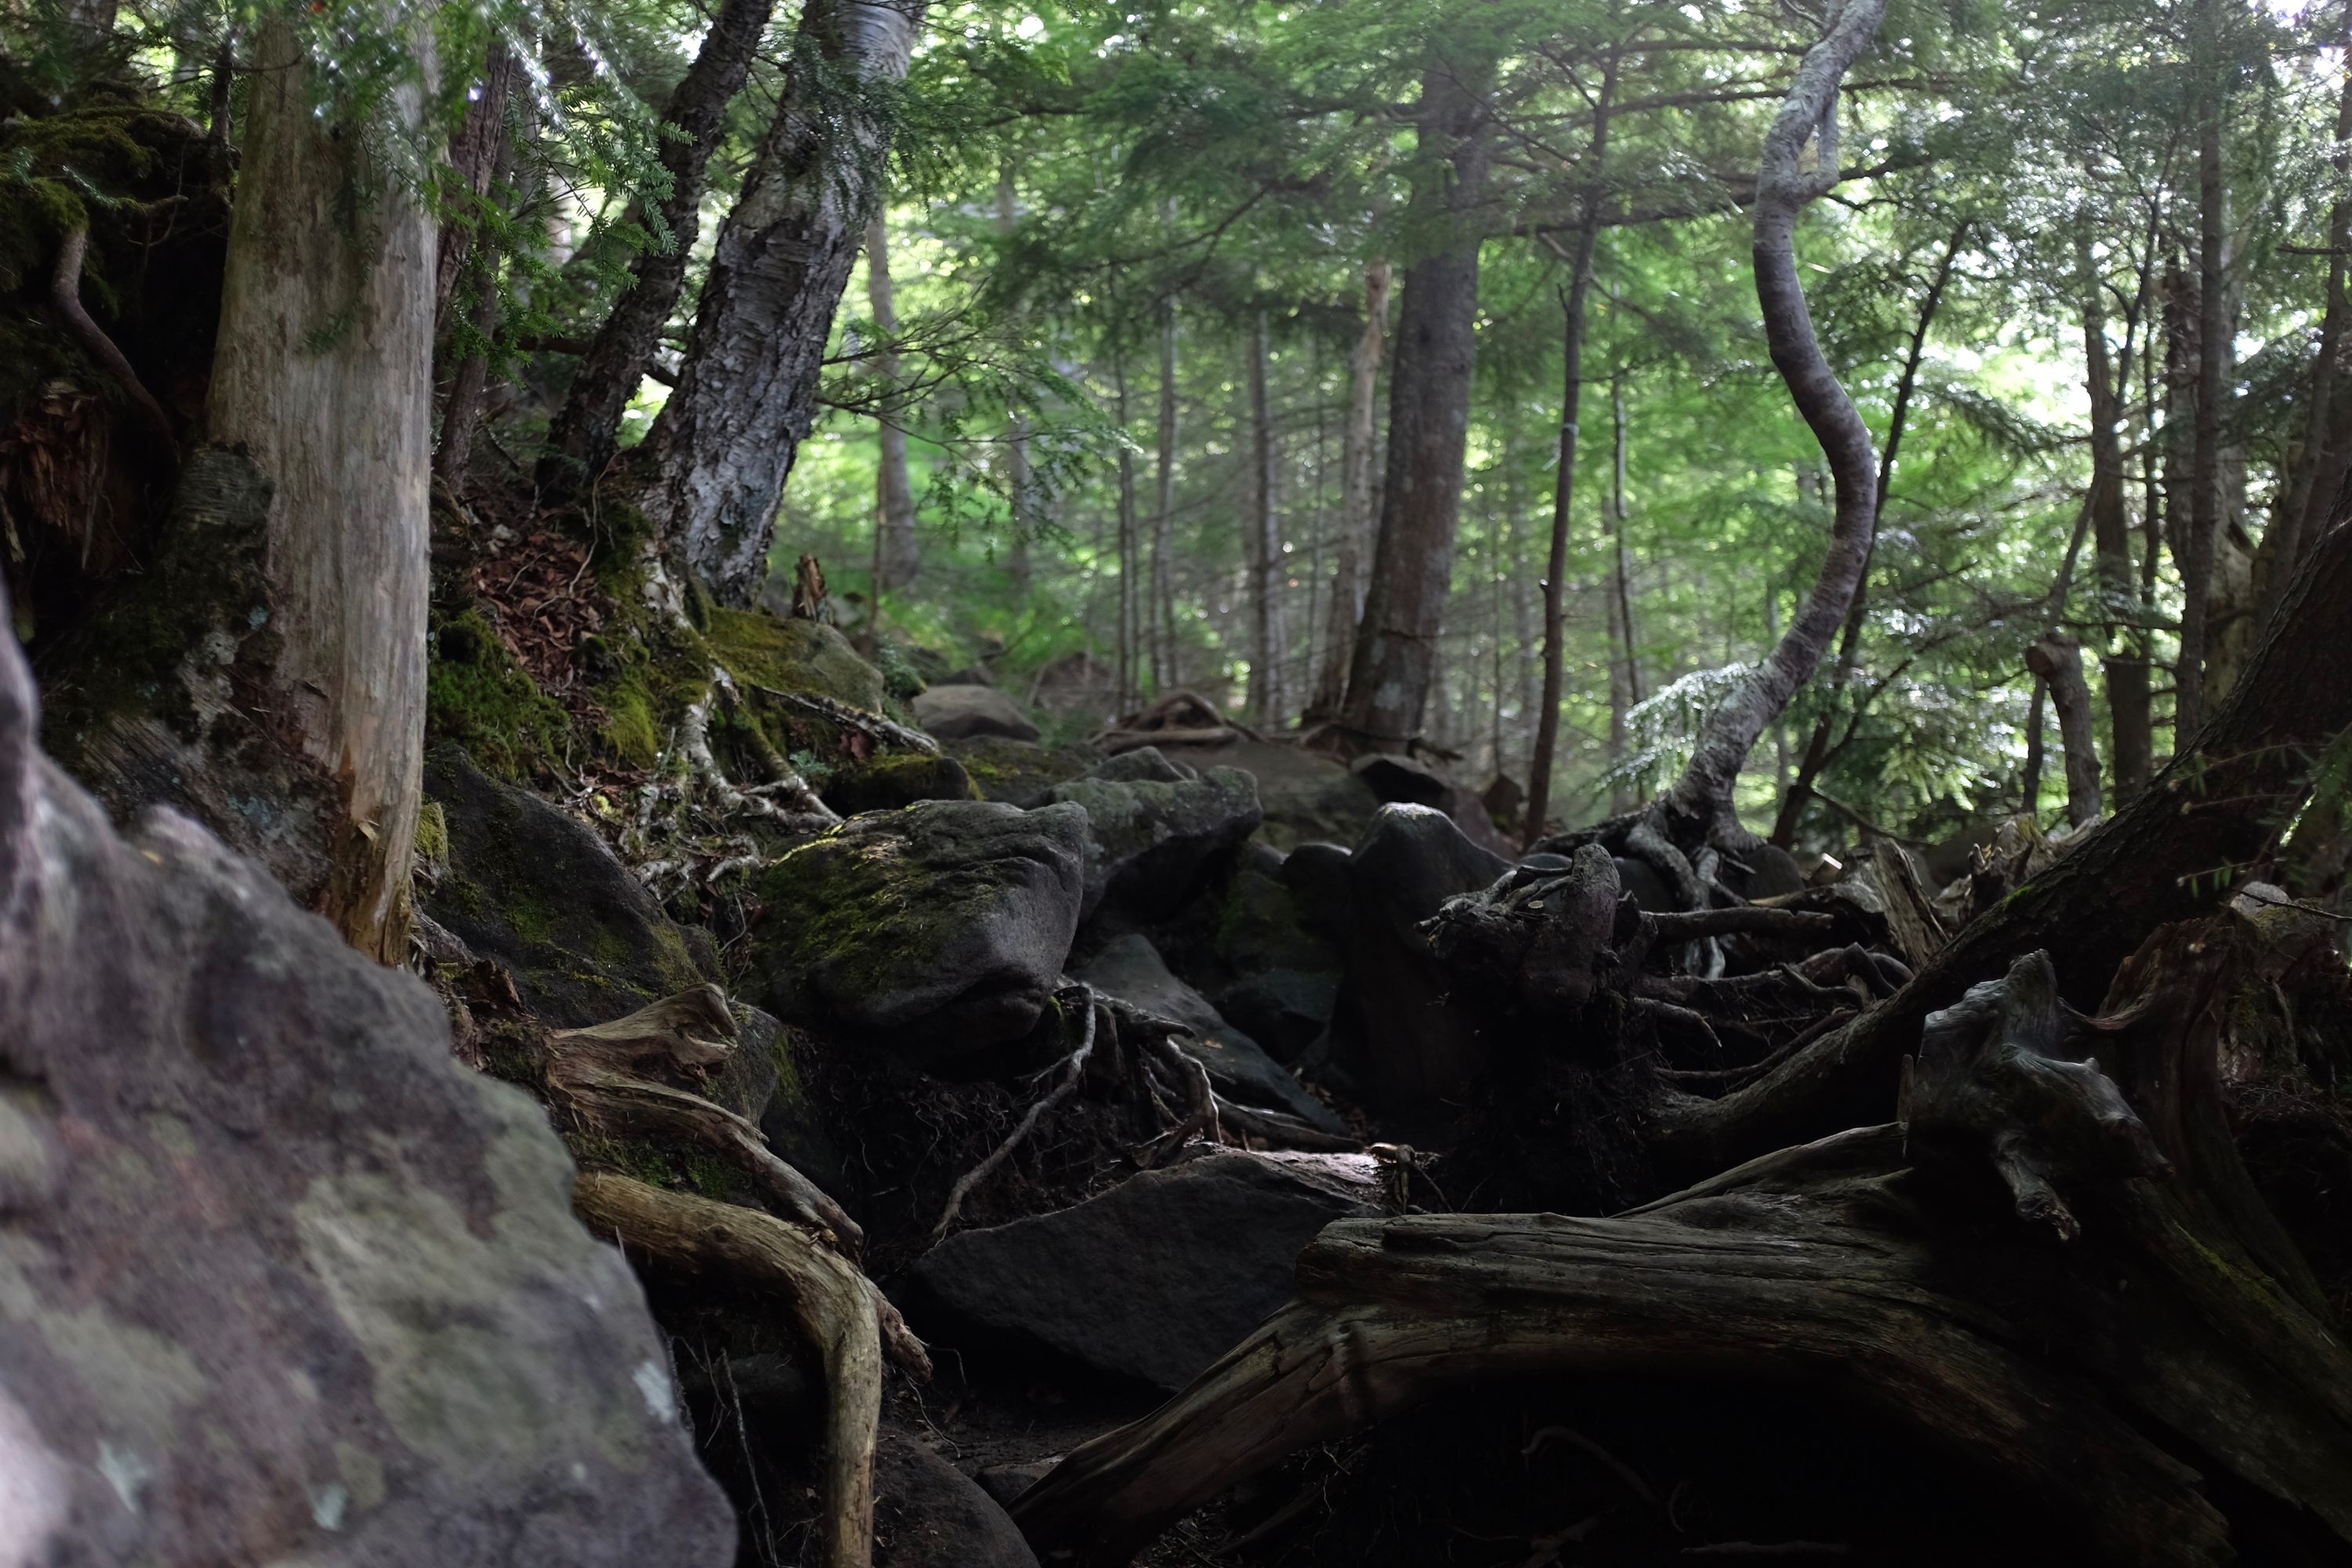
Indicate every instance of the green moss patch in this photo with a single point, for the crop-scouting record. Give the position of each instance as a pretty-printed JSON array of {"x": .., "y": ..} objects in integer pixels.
[{"x": 478, "y": 697}]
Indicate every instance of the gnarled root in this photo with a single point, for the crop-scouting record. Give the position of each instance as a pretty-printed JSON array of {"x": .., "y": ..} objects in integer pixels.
[
  {"x": 836, "y": 1309},
  {"x": 2164, "y": 1382}
]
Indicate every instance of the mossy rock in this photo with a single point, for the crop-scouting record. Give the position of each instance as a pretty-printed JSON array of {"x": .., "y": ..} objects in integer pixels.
[
  {"x": 1020, "y": 772},
  {"x": 899, "y": 779},
  {"x": 805, "y": 656},
  {"x": 937, "y": 932},
  {"x": 477, "y": 698},
  {"x": 535, "y": 888}
]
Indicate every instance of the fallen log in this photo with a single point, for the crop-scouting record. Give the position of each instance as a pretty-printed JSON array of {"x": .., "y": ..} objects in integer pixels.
[{"x": 2165, "y": 1381}]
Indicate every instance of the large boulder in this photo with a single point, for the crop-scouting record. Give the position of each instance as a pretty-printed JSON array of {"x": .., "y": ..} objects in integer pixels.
[
  {"x": 895, "y": 779},
  {"x": 1306, "y": 796},
  {"x": 280, "y": 1280},
  {"x": 1020, "y": 772},
  {"x": 524, "y": 883},
  {"x": 786, "y": 653},
  {"x": 960, "y": 712},
  {"x": 1280, "y": 975},
  {"x": 1157, "y": 1278},
  {"x": 938, "y": 930},
  {"x": 1131, "y": 969},
  {"x": 1392, "y": 1030},
  {"x": 1409, "y": 781},
  {"x": 1152, "y": 830},
  {"x": 928, "y": 1514}
]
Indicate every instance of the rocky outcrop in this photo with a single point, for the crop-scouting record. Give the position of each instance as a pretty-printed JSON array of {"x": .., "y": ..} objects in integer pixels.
[
  {"x": 521, "y": 881},
  {"x": 1020, "y": 772},
  {"x": 280, "y": 1280},
  {"x": 894, "y": 780},
  {"x": 1131, "y": 969},
  {"x": 1409, "y": 781},
  {"x": 1392, "y": 1030},
  {"x": 961, "y": 712},
  {"x": 1157, "y": 1278},
  {"x": 1152, "y": 829},
  {"x": 1279, "y": 969},
  {"x": 786, "y": 653},
  {"x": 937, "y": 932}
]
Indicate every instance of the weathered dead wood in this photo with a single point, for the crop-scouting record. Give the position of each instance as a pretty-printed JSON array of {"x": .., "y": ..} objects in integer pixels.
[
  {"x": 841, "y": 715},
  {"x": 2158, "y": 1382},
  {"x": 1115, "y": 742},
  {"x": 596, "y": 1073},
  {"x": 836, "y": 1309},
  {"x": 1684, "y": 924}
]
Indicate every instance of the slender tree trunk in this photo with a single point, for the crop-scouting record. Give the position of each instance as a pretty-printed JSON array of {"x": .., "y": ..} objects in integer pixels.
[
  {"x": 2127, "y": 668},
  {"x": 1625, "y": 665},
  {"x": 896, "y": 550},
  {"x": 343, "y": 430},
  {"x": 469, "y": 385},
  {"x": 1429, "y": 416},
  {"x": 724, "y": 444},
  {"x": 2327, "y": 434},
  {"x": 1563, "y": 500},
  {"x": 1701, "y": 797},
  {"x": 2196, "y": 545},
  {"x": 1263, "y": 545},
  {"x": 1816, "y": 755},
  {"x": 1358, "y": 444},
  {"x": 2057, "y": 661},
  {"x": 1020, "y": 482},
  {"x": 479, "y": 153},
  {"x": 585, "y": 432},
  {"x": 1163, "y": 512},
  {"x": 1130, "y": 660}
]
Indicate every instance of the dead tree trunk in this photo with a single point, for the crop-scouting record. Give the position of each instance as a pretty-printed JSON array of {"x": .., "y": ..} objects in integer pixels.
[
  {"x": 2058, "y": 661},
  {"x": 1357, "y": 447},
  {"x": 897, "y": 551},
  {"x": 585, "y": 432},
  {"x": 1429, "y": 416},
  {"x": 343, "y": 435},
  {"x": 724, "y": 444},
  {"x": 2213, "y": 815},
  {"x": 1701, "y": 797}
]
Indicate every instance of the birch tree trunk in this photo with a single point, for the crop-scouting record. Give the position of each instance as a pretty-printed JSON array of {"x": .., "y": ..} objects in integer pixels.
[
  {"x": 898, "y": 552},
  {"x": 1429, "y": 412},
  {"x": 724, "y": 444},
  {"x": 1701, "y": 797},
  {"x": 1358, "y": 444},
  {"x": 2127, "y": 668},
  {"x": 585, "y": 432},
  {"x": 343, "y": 432}
]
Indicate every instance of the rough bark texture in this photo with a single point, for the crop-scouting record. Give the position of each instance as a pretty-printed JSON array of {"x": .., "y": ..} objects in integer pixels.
[
  {"x": 584, "y": 435},
  {"x": 476, "y": 156},
  {"x": 896, "y": 552},
  {"x": 2058, "y": 660},
  {"x": 344, "y": 433},
  {"x": 1358, "y": 445},
  {"x": 2199, "y": 825},
  {"x": 1429, "y": 414},
  {"x": 724, "y": 444},
  {"x": 284, "y": 1283},
  {"x": 1703, "y": 795},
  {"x": 2129, "y": 1346}
]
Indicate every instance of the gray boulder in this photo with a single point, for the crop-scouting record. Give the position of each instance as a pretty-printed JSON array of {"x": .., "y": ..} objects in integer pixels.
[
  {"x": 1131, "y": 969},
  {"x": 1392, "y": 1029},
  {"x": 1162, "y": 1275},
  {"x": 938, "y": 930},
  {"x": 1021, "y": 773},
  {"x": 280, "y": 1280},
  {"x": 1149, "y": 835},
  {"x": 529, "y": 885},
  {"x": 928, "y": 1514},
  {"x": 960, "y": 712}
]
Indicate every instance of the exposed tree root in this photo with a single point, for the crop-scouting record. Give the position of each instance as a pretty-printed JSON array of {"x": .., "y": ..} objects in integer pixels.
[
  {"x": 841, "y": 715},
  {"x": 840, "y": 1313},
  {"x": 2164, "y": 1380},
  {"x": 1073, "y": 1070}
]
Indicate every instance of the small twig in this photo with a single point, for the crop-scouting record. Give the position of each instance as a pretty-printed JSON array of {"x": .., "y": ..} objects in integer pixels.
[{"x": 1073, "y": 1068}]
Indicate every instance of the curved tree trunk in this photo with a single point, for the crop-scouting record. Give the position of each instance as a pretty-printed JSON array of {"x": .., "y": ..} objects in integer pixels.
[
  {"x": 343, "y": 433},
  {"x": 2058, "y": 661},
  {"x": 1701, "y": 797},
  {"x": 585, "y": 432},
  {"x": 723, "y": 445},
  {"x": 1429, "y": 424},
  {"x": 2209, "y": 819}
]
